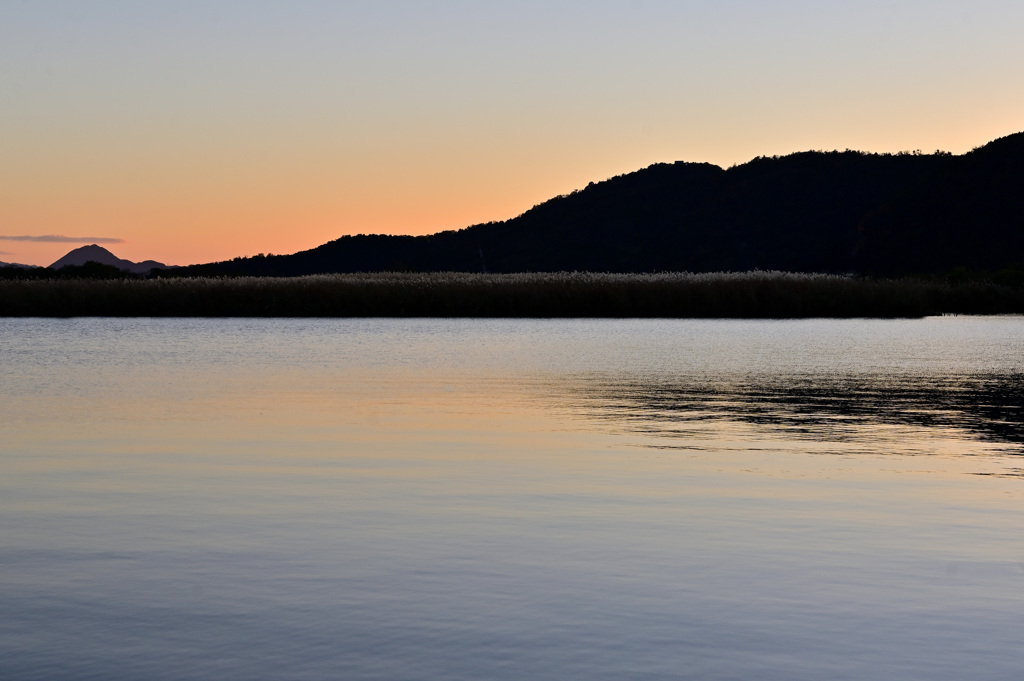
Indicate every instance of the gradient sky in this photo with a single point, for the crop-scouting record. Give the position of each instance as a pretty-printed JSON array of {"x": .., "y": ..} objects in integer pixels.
[{"x": 199, "y": 131}]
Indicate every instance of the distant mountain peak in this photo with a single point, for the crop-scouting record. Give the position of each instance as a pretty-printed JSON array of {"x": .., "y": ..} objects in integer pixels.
[
  {"x": 90, "y": 250},
  {"x": 96, "y": 253}
]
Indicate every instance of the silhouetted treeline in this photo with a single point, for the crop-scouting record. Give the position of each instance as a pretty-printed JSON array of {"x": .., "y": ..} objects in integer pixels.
[
  {"x": 967, "y": 212},
  {"x": 828, "y": 212},
  {"x": 89, "y": 270},
  {"x": 750, "y": 294}
]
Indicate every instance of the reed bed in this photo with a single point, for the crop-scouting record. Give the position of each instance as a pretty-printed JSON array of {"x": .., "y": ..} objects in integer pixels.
[{"x": 565, "y": 294}]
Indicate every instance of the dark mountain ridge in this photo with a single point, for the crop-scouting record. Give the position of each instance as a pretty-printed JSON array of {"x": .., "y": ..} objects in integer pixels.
[
  {"x": 95, "y": 253},
  {"x": 806, "y": 212},
  {"x": 967, "y": 212}
]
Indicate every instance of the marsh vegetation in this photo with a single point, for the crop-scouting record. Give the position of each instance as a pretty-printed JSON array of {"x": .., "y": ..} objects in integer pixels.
[{"x": 565, "y": 294}]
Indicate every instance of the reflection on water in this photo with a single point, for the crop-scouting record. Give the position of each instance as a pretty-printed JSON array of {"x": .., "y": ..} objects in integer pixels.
[
  {"x": 510, "y": 499},
  {"x": 822, "y": 408}
]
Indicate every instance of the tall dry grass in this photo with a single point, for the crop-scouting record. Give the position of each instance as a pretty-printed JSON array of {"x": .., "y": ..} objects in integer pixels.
[{"x": 567, "y": 294}]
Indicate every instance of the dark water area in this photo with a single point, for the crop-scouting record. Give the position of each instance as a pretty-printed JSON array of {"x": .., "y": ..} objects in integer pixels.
[
  {"x": 986, "y": 407},
  {"x": 507, "y": 499}
]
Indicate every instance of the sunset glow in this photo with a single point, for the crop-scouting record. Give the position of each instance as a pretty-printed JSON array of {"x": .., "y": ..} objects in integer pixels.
[{"x": 204, "y": 131}]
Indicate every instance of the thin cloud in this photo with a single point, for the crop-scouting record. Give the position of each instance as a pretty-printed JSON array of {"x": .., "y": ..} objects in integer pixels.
[{"x": 59, "y": 239}]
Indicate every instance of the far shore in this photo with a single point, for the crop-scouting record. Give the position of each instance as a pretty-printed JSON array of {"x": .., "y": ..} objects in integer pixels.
[{"x": 565, "y": 294}]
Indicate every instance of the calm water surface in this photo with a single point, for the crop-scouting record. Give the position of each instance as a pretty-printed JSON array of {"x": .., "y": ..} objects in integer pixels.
[{"x": 511, "y": 499}]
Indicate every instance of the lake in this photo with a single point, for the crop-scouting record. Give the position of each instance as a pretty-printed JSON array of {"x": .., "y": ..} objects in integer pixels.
[{"x": 511, "y": 499}]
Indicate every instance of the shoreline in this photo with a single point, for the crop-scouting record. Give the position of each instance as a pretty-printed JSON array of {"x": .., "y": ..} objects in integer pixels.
[{"x": 764, "y": 295}]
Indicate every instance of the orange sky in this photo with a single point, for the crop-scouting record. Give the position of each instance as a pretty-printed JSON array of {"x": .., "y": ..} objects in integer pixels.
[{"x": 195, "y": 132}]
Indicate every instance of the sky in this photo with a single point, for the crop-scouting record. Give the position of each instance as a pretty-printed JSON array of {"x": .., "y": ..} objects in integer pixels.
[{"x": 190, "y": 132}]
